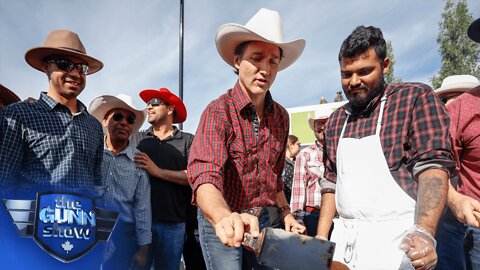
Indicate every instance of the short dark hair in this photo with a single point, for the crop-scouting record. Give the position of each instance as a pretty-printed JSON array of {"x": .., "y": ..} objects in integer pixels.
[
  {"x": 292, "y": 139},
  {"x": 241, "y": 49},
  {"x": 362, "y": 39}
]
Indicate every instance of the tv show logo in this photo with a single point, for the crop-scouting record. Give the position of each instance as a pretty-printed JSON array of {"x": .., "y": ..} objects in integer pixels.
[{"x": 66, "y": 225}]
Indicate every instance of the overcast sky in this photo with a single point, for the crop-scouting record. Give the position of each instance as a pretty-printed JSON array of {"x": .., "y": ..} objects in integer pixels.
[{"x": 138, "y": 42}]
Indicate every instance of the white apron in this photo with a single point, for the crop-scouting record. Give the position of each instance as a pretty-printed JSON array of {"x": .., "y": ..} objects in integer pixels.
[{"x": 374, "y": 212}]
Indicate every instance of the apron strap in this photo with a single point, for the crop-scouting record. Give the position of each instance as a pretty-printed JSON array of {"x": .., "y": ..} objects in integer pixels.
[
  {"x": 383, "y": 100},
  {"x": 380, "y": 115}
]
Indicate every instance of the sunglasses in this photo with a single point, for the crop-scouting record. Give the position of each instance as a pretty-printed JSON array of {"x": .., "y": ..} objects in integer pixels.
[
  {"x": 119, "y": 117},
  {"x": 68, "y": 66},
  {"x": 157, "y": 102}
]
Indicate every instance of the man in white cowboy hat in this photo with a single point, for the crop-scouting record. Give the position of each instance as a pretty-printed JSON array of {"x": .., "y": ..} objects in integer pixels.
[
  {"x": 164, "y": 155},
  {"x": 7, "y": 97},
  {"x": 53, "y": 143},
  {"x": 128, "y": 188},
  {"x": 455, "y": 85},
  {"x": 458, "y": 233},
  {"x": 387, "y": 158},
  {"x": 237, "y": 157},
  {"x": 309, "y": 169}
]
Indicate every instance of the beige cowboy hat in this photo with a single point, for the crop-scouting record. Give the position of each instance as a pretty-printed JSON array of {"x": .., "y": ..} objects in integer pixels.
[
  {"x": 474, "y": 31},
  {"x": 7, "y": 95},
  {"x": 101, "y": 105},
  {"x": 264, "y": 26},
  {"x": 61, "y": 42},
  {"x": 320, "y": 115},
  {"x": 457, "y": 83}
]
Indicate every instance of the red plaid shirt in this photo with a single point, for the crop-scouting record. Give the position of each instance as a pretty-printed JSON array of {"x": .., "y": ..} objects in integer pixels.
[
  {"x": 414, "y": 134},
  {"x": 244, "y": 164}
]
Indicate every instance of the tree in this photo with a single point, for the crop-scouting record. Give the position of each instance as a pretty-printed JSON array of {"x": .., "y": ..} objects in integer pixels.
[
  {"x": 389, "y": 76},
  {"x": 459, "y": 54}
]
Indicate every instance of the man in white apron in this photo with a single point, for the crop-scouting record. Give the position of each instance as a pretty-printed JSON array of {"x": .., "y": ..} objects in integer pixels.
[{"x": 387, "y": 160}]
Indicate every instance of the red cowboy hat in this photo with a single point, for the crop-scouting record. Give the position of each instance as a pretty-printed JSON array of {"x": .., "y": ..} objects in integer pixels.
[{"x": 169, "y": 97}]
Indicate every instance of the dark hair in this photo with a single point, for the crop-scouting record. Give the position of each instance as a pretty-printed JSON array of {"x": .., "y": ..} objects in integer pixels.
[
  {"x": 362, "y": 39},
  {"x": 292, "y": 139},
  {"x": 241, "y": 49}
]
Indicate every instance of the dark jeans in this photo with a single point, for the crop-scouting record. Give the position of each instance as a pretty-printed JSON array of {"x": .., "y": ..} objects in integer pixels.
[
  {"x": 458, "y": 245},
  {"x": 167, "y": 245}
]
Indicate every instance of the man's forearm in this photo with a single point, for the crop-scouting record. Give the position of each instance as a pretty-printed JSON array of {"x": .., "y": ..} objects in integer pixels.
[
  {"x": 210, "y": 200},
  {"x": 176, "y": 177},
  {"x": 431, "y": 198},
  {"x": 328, "y": 210}
]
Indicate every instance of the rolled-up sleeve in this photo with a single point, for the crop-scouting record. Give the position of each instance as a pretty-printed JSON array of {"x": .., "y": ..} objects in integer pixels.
[
  {"x": 430, "y": 136},
  {"x": 208, "y": 152}
]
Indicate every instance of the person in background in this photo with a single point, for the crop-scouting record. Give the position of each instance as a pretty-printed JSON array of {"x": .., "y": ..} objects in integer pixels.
[
  {"x": 7, "y": 97},
  {"x": 237, "y": 157},
  {"x": 458, "y": 233},
  {"x": 293, "y": 147},
  {"x": 50, "y": 144},
  {"x": 128, "y": 188},
  {"x": 387, "y": 159},
  {"x": 309, "y": 169},
  {"x": 164, "y": 154},
  {"x": 36, "y": 136},
  {"x": 455, "y": 85}
]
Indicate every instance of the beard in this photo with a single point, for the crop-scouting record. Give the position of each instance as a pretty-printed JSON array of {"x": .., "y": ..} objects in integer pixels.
[{"x": 361, "y": 100}]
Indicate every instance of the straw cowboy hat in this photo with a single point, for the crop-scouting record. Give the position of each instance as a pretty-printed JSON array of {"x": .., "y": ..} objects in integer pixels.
[
  {"x": 7, "y": 96},
  {"x": 165, "y": 95},
  {"x": 474, "y": 31},
  {"x": 320, "y": 115},
  {"x": 457, "y": 83},
  {"x": 264, "y": 26},
  {"x": 61, "y": 42},
  {"x": 101, "y": 105}
]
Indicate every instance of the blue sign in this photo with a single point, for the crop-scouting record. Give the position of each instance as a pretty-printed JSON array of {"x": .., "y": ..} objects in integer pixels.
[{"x": 66, "y": 225}]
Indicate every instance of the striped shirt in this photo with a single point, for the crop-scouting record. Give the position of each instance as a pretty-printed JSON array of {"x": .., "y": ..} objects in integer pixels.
[
  {"x": 245, "y": 165},
  {"x": 128, "y": 191},
  {"x": 306, "y": 190},
  {"x": 44, "y": 146},
  {"x": 414, "y": 134}
]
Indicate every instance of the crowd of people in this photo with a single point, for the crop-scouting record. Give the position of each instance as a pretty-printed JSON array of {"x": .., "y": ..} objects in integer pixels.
[{"x": 392, "y": 177}]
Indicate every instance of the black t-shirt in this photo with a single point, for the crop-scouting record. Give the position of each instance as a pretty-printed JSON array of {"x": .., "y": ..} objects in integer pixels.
[{"x": 169, "y": 200}]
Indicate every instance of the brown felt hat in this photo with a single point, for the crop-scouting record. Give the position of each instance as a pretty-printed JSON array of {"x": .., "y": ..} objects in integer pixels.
[{"x": 61, "y": 42}]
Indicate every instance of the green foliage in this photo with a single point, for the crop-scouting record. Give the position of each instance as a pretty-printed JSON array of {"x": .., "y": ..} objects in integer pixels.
[
  {"x": 389, "y": 76},
  {"x": 460, "y": 55}
]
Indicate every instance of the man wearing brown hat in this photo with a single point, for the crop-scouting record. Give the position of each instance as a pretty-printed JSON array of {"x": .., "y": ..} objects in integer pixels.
[
  {"x": 53, "y": 143},
  {"x": 164, "y": 155},
  {"x": 7, "y": 97},
  {"x": 237, "y": 157},
  {"x": 458, "y": 233}
]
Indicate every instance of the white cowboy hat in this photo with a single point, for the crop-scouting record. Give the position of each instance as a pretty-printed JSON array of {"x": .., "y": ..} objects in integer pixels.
[
  {"x": 319, "y": 115},
  {"x": 264, "y": 26},
  {"x": 457, "y": 83},
  {"x": 103, "y": 104}
]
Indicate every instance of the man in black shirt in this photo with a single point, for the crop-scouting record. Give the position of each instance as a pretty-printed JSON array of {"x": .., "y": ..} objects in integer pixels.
[{"x": 164, "y": 155}]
